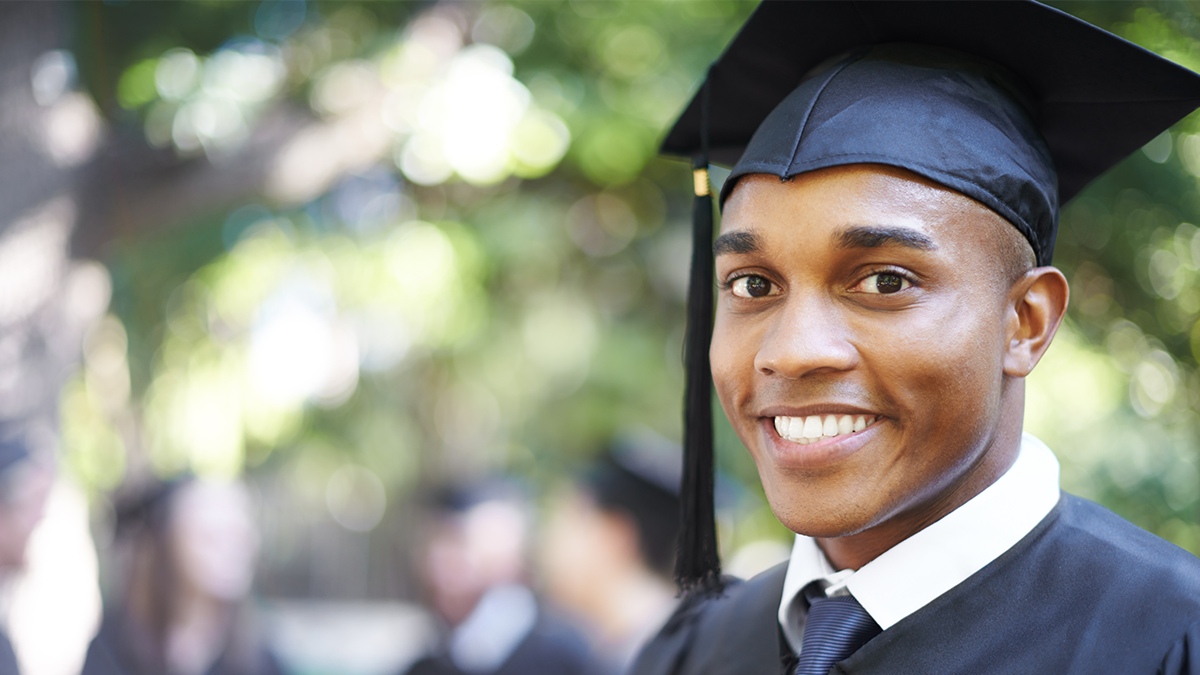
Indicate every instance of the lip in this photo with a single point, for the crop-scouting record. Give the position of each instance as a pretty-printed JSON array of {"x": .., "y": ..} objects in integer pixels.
[
  {"x": 821, "y": 454},
  {"x": 820, "y": 409}
]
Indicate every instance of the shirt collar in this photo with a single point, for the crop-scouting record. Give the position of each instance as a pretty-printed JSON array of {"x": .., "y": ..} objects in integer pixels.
[
  {"x": 501, "y": 620},
  {"x": 917, "y": 570}
]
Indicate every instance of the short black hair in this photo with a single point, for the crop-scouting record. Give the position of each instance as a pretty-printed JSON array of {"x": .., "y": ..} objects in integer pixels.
[{"x": 651, "y": 507}]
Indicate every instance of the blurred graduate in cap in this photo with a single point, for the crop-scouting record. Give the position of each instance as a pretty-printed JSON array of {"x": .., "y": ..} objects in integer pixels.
[
  {"x": 26, "y": 477},
  {"x": 474, "y": 564},
  {"x": 884, "y": 284},
  {"x": 187, "y": 550},
  {"x": 609, "y": 547}
]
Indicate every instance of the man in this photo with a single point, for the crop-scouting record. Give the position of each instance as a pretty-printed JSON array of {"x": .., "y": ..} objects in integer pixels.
[
  {"x": 608, "y": 547},
  {"x": 475, "y": 571},
  {"x": 884, "y": 288}
]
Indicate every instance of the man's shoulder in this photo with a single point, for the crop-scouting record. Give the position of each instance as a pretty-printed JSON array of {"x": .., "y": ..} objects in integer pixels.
[
  {"x": 554, "y": 645},
  {"x": 1105, "y": 545},
  {"x": 1083, "y": 574},
  {"x": 1084, "y": 592},
  {"x": 1085, "y": 564},
  {"x": 733, "y": 631}
]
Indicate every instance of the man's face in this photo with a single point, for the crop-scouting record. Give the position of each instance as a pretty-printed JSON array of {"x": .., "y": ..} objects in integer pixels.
[
  {"x": 852, "y": 297},
  {"x": 470, "y": 552}
]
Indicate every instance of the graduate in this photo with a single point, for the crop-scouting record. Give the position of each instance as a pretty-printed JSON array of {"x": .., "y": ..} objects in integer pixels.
[
  {"x": 475, "y": 569},
  {"x": 608, "y": 548},
  {"x": 186, "y": 551},
  {"x": 884, "y": 285}
]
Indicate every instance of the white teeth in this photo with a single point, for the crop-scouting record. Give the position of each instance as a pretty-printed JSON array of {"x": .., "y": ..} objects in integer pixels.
[
  {"x": 829, "y": 427},
  {"x": 810, "y": 429}
]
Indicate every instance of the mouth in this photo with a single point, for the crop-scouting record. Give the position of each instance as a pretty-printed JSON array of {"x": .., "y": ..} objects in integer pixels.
[{"x": 814, "y": 428}]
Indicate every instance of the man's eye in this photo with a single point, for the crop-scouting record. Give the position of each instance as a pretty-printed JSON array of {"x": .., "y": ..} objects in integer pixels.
[
  {"x": 884, "y": 283},
  {"x": 752, "y": 286}
]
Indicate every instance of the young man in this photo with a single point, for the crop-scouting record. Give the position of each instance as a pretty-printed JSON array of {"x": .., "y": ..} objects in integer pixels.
[
  {"x": 475, "y": 568},
  {"x": 883, "y": 289},
  {"x": 608, "y": 548}
]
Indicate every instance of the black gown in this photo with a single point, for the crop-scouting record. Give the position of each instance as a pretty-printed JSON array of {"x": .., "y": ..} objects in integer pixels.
[
  {"x": 119, "y": 649},
  {"x": 552, "y": 647},
  {"x": 1085, "y": 593},
  {"x": 8, "y": 658}
]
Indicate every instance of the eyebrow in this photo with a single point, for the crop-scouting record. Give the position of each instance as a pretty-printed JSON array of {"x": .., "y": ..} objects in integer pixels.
[
  {"x": 859, "y": 236},
  {"x": 736, "y": 242},
  {"x": 874, "y": 236}
]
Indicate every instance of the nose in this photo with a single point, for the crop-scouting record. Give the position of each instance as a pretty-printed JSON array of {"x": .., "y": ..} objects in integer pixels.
[{"x": 807, "y": 337}]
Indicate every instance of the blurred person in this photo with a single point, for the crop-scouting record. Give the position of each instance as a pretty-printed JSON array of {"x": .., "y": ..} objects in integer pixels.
[
  {"x": 474, "y": 567},
  {"x": 609, "y": 548},
  {"x": 25, "y": 482},
  {"x": 191, "y": 548}
]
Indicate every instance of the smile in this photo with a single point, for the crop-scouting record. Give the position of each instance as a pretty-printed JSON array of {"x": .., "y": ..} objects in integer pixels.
[{"x": 813, "y": 428}]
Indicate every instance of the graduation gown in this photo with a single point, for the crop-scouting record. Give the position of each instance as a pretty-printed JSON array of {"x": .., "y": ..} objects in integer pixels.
[
  {"x": 1085, "y": 592},
  {"x": 119, "y": 649},
  {"x": 8, "y": 658},
  {"x": 551, "y": 647}
]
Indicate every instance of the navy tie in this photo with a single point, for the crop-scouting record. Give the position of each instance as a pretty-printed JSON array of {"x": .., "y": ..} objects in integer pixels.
[{"x": 835, "y": 628}]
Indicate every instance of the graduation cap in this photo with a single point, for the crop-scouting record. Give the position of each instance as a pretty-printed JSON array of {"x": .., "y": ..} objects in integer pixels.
[
  {"x": 145, "y": 505},
  {"x": 460, "y": 496},
  {"x": 1014, "y": 104}
]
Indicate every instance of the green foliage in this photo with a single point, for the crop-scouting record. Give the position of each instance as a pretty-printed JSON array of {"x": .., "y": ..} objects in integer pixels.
[
  {"x": 515, "y": 316},
  {"x": 136, "y": 86}
]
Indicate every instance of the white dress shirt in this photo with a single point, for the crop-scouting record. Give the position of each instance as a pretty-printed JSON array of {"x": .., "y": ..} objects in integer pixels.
[
  {"x": 914, "y": 572},
  {"x": 501, "y": 620}
]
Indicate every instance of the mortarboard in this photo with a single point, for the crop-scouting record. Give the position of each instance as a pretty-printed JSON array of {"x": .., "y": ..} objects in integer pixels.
[
  {"x": 146, "y": 505},
  {"x": 460, "y": 496},
  {"x": 1014, "y": 104}
]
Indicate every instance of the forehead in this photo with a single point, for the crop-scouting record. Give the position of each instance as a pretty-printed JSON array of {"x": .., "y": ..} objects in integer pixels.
[{"x": 867, "y": 196}]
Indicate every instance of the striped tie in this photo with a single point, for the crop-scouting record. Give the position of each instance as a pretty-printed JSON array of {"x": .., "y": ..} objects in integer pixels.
[{"x": 835, "y": 628}]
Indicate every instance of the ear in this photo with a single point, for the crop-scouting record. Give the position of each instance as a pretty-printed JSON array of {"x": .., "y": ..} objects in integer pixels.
[{"x": 1037, "y": 303}]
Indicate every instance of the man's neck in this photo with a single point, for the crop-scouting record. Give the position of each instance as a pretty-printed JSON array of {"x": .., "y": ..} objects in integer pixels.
[{"x": 855, "y": 550}]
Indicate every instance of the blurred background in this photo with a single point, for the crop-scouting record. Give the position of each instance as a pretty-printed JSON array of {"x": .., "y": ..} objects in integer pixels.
[{"x": 318, "y": 260}]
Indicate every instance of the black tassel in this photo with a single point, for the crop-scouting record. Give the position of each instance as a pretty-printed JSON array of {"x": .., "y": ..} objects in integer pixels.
[{"x": 698, "y": 564}]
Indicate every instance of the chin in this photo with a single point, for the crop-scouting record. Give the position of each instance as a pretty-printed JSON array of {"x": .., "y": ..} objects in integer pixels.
[
  {"x": 814, "y": 515},
  {"x": 819, "y": 528}
]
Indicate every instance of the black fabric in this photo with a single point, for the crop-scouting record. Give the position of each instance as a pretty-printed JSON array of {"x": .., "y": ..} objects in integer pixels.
[
  {"x": 552, "y": 647},
  {"x": 12, "y": 450},
  {"x": 8, "y": 658},
  {"x": 934, "y": 112},
  {"x": 1084, "y": 593},
  {"x": 698, "y": 563},
  {"x": 118, "y": 649},
  {"x": 1092, "y": 96},
  {"x": 731, "y": 634}
]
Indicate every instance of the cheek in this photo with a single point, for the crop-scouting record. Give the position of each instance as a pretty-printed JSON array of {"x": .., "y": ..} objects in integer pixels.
[
  {"x": 951, "y": 365},
  {"x": 731, "y": 359}
]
